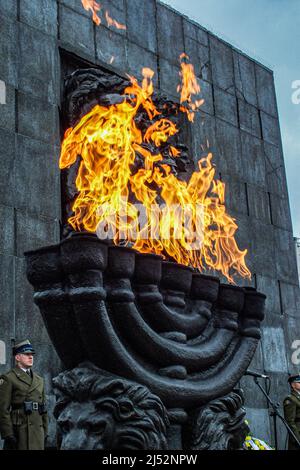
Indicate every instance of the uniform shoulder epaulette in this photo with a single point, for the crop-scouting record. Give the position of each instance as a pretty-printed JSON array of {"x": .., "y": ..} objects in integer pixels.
[
  {"x": 290, "y": 399},
  {"x": 4, "y": 377}
]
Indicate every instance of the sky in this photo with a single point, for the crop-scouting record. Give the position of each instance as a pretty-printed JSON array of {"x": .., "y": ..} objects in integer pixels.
[{"x": 268, "y": 31}]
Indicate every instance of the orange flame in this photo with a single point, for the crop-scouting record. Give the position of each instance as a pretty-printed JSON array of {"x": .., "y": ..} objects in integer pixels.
[
  {"x": 189, "y": 86},
  {"x": 107, "y": 140},
  {"x": 111, "y": 22},
  {"x": 94, "y": 7}
]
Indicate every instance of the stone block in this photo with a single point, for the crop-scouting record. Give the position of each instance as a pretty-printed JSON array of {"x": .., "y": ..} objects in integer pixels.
[
  {"x": 41, "y": 15},
  {"x": 111, "y": 48},
  {"x": 222, "y": 64},
  {"x": 76, "y": 6},
  {"x": 257, "y": 363},
  {"x": 275, "y": 170},
  {"x": 8, "y": 52},
  {"x": 203, "y": 137},
  {"x": 7, "y": 114},
  {"x": 38, "y": 64},
  {"x": 141, "y": 24},
  {"x": 46, "y": 360},
  {"x": 228, "y": 145},
  {"x": 245, "y": 81},
  {"x": 290, "y": 296},
  {"x": 281, "y": 214},
  {"x": 34, "y": 232},
  {"x": 116, "y": 11},
  {"x": 7, "y": 156},
  {"x": 254, "y": 398},
  {"x": 70, "y": 24},
  {"x": 225, "y": 106},
  {"x": 38, "y": 119},
  {"x": 253, "y": 160},
  {"x": 279, "y": 387},
  {"x": 292, "y": 337},
  {"x": 249, "y": 118},
  {"x": 274, "y": 347},
  {"x": 262, "y": 248},
  {"x": 7, "y": 292},
  {"x": 138, "y": 58},
  {"x": 170, "y": 32},
  {"x": 119, "y": 4},
  {"x": 285, "y": 258},
  {"x": 7, "y": 238},
  {"x": 266, "y": 90},
  {"x": 194, "y": 31},
  {"x": 270, "y": 287},
  {"x": 235, "y": 194},
  {"x": 37, "y": 177},
  {"x": 270, "y": 129},
  {"x": 106, "y": 4},
  {"x": 259, "y": 203},
  {"x": 199, "y": 57},
  {"x": 206, "y": 94},
  {"x": 29, "y": 322},
  {"x": 8, "y": 8},
  {"x": 169, "y": 79}
]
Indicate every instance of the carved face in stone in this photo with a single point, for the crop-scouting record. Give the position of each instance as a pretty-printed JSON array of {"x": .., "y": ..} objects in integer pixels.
[{"x": 84, "y": 427}]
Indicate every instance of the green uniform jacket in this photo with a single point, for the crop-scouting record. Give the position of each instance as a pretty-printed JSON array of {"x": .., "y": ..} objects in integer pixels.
[
  {"x": 30, "y": 430},
  {"x": 291, "y": 407}
]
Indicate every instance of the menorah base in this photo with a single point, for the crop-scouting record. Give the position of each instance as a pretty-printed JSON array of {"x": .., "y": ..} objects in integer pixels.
[{"x": 98, "y": 410}]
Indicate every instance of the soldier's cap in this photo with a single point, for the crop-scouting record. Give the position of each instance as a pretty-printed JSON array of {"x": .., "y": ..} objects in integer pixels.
[
  {"x": 293, "y": 378},
  {"x": 24, "y": 347}
]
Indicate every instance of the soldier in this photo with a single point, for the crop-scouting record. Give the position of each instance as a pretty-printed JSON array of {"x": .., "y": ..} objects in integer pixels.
[
  {"x": 23, "y": 414},
  {"x": 291, "y": 406}
]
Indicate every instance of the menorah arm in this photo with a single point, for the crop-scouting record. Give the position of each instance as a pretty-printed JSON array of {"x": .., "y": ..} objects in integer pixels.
[
  {"x": 120, "y": 359},
  {"x": 163, "y": 351},
  {"x": 167, "y": 319}
]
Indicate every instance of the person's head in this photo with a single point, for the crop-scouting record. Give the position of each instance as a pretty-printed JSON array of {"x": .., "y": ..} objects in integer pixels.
[
  {"x": 294, "y": 382},
  {"x": 23, "y": 353}
]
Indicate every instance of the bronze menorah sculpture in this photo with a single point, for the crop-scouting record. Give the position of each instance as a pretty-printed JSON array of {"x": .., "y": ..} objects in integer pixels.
[{"x": 182, "y": 335}]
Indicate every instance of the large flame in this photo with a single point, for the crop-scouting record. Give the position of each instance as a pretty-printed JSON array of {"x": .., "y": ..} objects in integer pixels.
[{"x": 107, "y": 140}]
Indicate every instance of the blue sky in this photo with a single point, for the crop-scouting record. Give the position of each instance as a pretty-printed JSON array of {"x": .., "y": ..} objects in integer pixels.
[{"x": 269, "y": 31}]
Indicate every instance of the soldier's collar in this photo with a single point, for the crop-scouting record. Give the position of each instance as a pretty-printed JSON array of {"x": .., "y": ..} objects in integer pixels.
[{"x": 296, "y": 393}]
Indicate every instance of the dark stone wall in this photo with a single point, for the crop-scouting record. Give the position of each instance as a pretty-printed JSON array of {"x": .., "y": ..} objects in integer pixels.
[{"x": 240, "y": 121}]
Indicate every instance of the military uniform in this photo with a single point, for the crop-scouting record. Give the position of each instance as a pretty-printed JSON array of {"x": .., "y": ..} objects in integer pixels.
[
  {"x": 291, "y": 407},
  {"x": 22, "y": 409}
]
